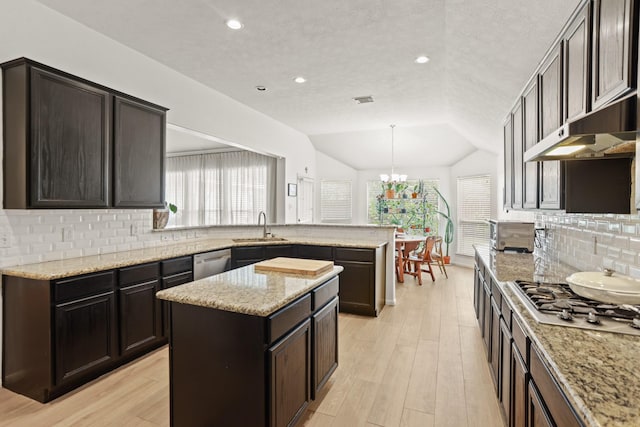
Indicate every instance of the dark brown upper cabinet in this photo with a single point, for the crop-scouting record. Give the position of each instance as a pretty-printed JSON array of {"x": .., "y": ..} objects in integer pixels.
[
  {"x": 551, "y": 118},
  {"x": 576, "y": 41},
  {"x": 66, "y": 145},
  {"x": 614, "y": 41},
  {"x": 139, "y": 145},
  {"x": 508, "y": 162},
  {"x": 530, "y": 129},
  {"x": 516, "y": 114},
  {"x": 57, "y": 140}
]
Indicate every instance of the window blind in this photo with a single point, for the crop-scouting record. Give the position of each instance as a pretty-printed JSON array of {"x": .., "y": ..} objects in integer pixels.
[
  {"x": 474, "y": 209},
  {"x": 335, "y": 201}
]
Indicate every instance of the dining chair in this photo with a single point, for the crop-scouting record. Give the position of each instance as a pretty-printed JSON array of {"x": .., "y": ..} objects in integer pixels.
[
  {"x": 436, "y": 256},
  {"x": 421, "y": 261}
]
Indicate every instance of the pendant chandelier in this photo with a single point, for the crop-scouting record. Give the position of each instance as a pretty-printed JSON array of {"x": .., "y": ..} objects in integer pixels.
[{"x": 394, "y": 177}]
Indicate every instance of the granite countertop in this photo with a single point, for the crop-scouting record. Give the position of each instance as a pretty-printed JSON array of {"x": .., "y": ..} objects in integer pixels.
[
  {"x": 598, "y": 371},
  {"x": 90, "y": 264},
  {"x": 244, "y": 291}
]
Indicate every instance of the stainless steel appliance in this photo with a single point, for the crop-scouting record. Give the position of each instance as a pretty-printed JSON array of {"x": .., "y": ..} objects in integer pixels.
[
  {"x": 512, "y": 235},
  {"x": 557, "y": 304},
  {"x": 210, "y": 263},
  {"x": 608, "y": 131}
]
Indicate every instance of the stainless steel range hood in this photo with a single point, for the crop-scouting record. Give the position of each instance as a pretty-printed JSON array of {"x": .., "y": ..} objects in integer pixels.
[{"x": 607, "y": 132}]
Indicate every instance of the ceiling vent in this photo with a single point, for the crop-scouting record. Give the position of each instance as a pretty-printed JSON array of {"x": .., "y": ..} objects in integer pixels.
[{"x": 363, "y": 99}]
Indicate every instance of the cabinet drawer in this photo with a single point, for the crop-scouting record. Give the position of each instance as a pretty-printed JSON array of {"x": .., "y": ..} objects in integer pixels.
[
  {"x": 324, "y": 293},
  {"x": 288, "y": 317},
  {"x": 177, "y": 279},
  {"x": 520, "y": 339},
  {"x": 176, "y": 265},
  {"x": 552, "y": 396},
  {"x": 278, "y": 251},
  {"x": 139, "y": 273},
  {"x": 315, "y": 252},
  {"x": 496, "y": 293},
  {"x": 506, "y": 312},
  {"x": 349, "y": 254},
  {"x": 252, "y": 252},
  {"x": 79, "y": 287}
]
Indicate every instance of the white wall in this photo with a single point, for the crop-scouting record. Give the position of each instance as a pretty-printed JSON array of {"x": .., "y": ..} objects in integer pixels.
[
  {"x": 32, "y": 30},
  {"x": 480, "y": 162},
  {"x": 328, "y": 168}
]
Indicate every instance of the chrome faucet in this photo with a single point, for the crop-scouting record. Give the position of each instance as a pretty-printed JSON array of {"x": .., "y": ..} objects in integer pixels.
[{"x": 262, "y": 214}]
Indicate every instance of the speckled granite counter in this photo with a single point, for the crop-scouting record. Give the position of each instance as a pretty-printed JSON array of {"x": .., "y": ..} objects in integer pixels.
[
  {"x": 83, "y": 265},
  {"x": 244, "y": 291},
  {"x": 598, "y": 371}
]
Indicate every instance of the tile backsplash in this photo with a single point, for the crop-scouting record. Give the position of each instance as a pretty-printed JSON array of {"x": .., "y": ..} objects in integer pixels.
[{"x": 590, "y": 242}]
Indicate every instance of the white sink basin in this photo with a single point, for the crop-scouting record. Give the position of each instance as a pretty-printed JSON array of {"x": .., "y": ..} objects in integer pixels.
[{"x": 616, "y": 289}]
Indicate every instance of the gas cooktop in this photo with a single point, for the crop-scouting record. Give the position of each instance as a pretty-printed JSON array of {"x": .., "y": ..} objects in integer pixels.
[{"x": 557, "y": 304}]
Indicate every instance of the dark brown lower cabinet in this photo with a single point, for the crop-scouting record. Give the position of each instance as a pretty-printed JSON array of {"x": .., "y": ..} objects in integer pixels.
[
  {"x": 85, "y": 336},
  {"x": 290, "y": 371},
  {"x": 519, "y": 380},
  {"x": 325, "y": 345},
  {"x": 169, "y": 282},
  {"x": 140, "y": 317},
  {"x": 59, "y": 334},
  {"x": 236, "y": 370},
  {"x": 538, "y": 415},
  {"x": 494, "y": 354},
  {"x": 505, "y": 369},
  {"x": 528, "y": 392}
]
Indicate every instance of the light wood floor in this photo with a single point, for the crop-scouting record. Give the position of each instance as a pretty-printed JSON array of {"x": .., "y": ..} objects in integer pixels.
[{"x": 420, "y": 363}]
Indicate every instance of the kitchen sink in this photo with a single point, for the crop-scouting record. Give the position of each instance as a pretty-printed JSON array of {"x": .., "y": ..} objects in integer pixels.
[{"x": 259, "y": 239}]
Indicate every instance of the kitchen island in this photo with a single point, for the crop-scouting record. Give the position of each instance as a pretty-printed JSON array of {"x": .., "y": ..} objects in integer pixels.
[
  {"x": 249, "y": 348},
  {"x": 549, "y": 374}
]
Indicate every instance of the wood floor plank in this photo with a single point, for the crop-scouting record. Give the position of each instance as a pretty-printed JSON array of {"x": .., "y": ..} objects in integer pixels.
[
  {"x": 411, "y": 418},
  {"x": 420, "y": 363}
]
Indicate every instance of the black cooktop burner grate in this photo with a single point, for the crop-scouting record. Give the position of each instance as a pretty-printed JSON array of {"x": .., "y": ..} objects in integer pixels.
[{"x": 556, "y": 297}]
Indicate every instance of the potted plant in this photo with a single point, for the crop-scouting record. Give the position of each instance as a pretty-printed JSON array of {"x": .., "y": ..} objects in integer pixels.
[
  {"x": 448, "y": 229},
  {"x": 414, "y": 191},
  {"x": 161, "y": 216},
  {"x": 390, "y": 192}
]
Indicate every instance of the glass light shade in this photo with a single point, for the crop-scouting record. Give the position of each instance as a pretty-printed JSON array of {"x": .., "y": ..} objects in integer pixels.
[{"x": 384, "y": 178}]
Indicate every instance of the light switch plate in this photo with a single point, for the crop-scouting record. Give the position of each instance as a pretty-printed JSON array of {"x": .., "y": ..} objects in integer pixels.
[{"x": 5, "y": 240}]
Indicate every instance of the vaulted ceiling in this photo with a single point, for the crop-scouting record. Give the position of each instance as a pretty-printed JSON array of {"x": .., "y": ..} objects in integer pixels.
[{"x": 481, "y": 53}]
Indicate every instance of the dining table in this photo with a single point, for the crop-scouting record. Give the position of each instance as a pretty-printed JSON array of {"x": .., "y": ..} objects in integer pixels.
[{"x": 404, "y": 245}]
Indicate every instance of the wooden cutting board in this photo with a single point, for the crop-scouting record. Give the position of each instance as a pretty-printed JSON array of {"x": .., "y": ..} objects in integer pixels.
[{"x": 304, "y": 267}]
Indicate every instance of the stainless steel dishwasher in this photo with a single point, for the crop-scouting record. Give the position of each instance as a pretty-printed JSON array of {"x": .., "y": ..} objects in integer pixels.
[{"x": 210, "y": 263}]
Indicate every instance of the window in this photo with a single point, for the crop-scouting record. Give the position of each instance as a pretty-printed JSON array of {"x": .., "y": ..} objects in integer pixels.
[
  {"x": 335, "y": 201},
  {"x": 474, "y": 210},
  {"x": 406, "y": 213},
  {"x": 221, "y": 188}
]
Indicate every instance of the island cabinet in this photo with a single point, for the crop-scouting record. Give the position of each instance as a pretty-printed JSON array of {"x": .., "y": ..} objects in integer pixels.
[
  {"x": 528, "y": 393},
  {"x": 61, "y": 333},
  {"x": 72, "y": 143},
  {"x": 362, "y": 284},
  {"x": 235, "y": 369}
]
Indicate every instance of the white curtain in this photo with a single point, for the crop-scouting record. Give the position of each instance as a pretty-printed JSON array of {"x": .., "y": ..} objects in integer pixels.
[{"x": 221, "y": 188}]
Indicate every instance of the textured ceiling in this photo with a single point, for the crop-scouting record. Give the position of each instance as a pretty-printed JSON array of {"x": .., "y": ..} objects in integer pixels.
[{"x": 481, "y": 54}]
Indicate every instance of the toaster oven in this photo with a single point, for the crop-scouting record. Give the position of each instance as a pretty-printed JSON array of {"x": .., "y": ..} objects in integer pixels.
[{"x": 512, "y": 235}]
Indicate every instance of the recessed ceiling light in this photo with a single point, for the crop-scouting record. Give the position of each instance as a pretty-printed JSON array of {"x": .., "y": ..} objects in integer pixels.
[
  {"x": 261, "y": 88},
  {"x": 234, "y": 24},
  {"x": 299, "y": 79},
  {"x": 422, "y": 59}
]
